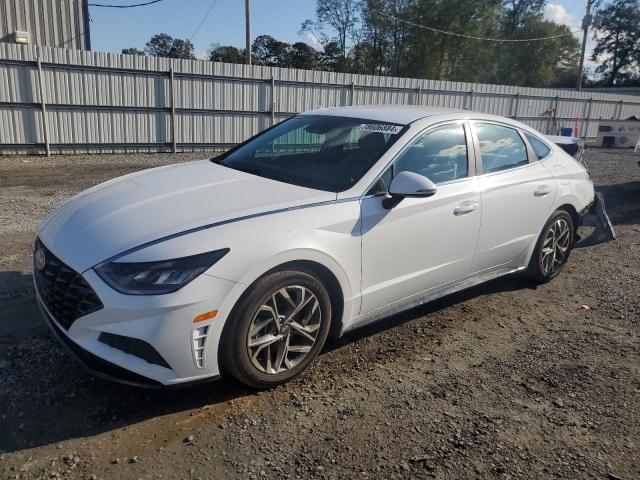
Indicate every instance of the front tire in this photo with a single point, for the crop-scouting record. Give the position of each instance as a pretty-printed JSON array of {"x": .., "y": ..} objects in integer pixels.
[
  {"x": 277, "y": 329},
  {"x": 553, "y": 247}
]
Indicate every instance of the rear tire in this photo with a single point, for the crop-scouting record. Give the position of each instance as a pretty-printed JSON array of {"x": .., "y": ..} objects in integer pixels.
[
  {"x": 552, "y": 248},
  {"x": 277, "y": 329}
]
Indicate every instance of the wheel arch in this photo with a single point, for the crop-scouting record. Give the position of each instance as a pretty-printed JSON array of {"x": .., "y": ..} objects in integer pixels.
[
  {"x": 328, "y": 278},
  {"x": 571, "y": 210},
  {"x": 327, "y": 269}
]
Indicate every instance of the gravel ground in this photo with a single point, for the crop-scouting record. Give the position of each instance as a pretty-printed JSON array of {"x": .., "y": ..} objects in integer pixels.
[{"x": 505, "y": 380}]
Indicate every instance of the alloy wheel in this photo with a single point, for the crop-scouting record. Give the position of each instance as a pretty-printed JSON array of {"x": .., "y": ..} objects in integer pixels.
[
  {"x": 284, "y": 329},
  {"x": 555, "y": 246}
]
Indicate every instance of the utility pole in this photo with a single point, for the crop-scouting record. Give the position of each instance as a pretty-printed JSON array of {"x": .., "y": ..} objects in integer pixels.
[
  {"x": 247, "y": 13},
  {"x": 587, "y": 21}
]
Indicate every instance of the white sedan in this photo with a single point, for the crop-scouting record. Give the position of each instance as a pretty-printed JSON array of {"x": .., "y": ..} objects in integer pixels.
[{"x": 328, "y": 221}]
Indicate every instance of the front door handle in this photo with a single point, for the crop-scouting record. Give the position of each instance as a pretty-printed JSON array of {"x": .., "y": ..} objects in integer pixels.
[
  {"x": 465, "y": 208},
  {"x": 542, "y": 190}
]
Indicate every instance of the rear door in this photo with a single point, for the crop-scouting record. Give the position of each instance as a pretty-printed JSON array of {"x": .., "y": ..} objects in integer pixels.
[
  {"x": 517, "y": 195},
  {"x": 421, "y": 243}
]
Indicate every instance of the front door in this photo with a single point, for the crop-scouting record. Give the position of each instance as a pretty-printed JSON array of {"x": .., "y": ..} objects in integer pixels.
[{"x": 421, "y": 243}]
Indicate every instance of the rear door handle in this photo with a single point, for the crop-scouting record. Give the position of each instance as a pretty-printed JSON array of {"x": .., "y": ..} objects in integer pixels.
[
  {"x": 542, "y": 190},
  {"x": 465, "y": 208}
]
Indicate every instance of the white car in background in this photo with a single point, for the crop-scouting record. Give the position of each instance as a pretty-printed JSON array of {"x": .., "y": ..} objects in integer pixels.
[{"x": 323, "y": 223}]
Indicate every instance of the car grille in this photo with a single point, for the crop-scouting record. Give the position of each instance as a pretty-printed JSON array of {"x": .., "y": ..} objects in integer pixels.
[{"x": 63, "y": 291}]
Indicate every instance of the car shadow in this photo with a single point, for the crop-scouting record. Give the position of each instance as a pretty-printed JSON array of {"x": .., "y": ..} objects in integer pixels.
[
  {"x": 46, "y": 397},
  {"x": 622, "y": 202},
  {"x": 508, "y": 283}
]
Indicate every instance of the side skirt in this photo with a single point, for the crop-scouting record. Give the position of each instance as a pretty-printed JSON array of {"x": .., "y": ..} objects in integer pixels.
[{"x": 425, "y": 297}]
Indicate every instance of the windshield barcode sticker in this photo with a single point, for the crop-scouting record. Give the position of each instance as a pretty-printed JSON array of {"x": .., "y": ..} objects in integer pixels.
[{"x": 379, "y": 128}]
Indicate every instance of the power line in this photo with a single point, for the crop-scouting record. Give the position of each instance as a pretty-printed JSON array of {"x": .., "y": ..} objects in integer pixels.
[
  {"x": 471, "y": 37},
  {"x": 213, "y": 4},
  {"x": 105, "y": 5}
]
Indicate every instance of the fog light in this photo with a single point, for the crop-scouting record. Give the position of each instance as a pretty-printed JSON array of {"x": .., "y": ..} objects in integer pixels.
[{"x": 198, "y": 340}]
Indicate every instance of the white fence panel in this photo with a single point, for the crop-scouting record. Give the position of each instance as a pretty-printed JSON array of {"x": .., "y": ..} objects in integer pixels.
[{"x": 103, "y": 102}]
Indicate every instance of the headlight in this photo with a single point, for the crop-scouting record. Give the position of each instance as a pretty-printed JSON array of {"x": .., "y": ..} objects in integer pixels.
[{"x": 157, "y": 278}]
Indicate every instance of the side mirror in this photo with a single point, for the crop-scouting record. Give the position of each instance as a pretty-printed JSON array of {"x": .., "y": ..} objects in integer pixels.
[
  {"x": 408, "y": 184},
  {"x": 411, "y": 184}
]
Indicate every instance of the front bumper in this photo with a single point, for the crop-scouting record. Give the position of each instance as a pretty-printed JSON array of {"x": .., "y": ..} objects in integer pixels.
[
  {"x": 595, "y": 215},
  {"x": 163, "y": 324}
]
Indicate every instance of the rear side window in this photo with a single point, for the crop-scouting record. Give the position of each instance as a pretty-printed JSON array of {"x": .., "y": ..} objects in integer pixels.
[
  {"x": 538, "y": 146},
  {"x": 501, "y": 147}
]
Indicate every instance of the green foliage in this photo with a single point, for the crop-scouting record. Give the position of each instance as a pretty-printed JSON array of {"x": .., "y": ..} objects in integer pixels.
[
  {"x": 370, "y": 36},
  {"x": 550, "y": 63},
  {"x": 163, "y": 45},
  {"x": 268, "y": 51},
  {"x": 618, "y": 43},
  {"x": 380, "y": 43},
  {"x": 341, "y": 16},
  {"x": 132, "y": 51},
  {"x": 301, "y": 55},
  {"x": 227, "y": 54}
]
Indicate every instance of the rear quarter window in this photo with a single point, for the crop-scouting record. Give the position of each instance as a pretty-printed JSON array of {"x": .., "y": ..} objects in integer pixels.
[{"x": 538, "y": 145}]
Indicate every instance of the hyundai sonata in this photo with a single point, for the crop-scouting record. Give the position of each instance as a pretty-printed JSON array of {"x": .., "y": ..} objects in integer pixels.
[{"x": 325, "y": 222}]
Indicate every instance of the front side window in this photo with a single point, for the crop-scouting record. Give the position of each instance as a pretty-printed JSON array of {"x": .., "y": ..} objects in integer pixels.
[
  {"x": 501, "y": 147},
  {"x": 315, "y": 151},
  {"x": 439, "y": 154},
  {"x": 538, "y": 146}
]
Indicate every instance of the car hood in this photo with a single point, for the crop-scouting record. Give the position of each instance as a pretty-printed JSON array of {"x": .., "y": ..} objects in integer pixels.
[{"x": 130, "y": 211}]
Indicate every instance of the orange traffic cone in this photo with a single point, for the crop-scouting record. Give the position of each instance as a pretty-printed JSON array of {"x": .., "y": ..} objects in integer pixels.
[{"x": 576, "y": 128}]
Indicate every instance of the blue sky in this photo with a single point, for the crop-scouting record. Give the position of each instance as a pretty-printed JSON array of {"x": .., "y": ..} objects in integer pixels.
[{"x": 113, "y": 29}]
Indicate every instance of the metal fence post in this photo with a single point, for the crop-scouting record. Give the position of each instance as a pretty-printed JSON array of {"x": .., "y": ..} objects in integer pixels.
[
  {"x": 619, "y": 115},
  {"x": 470, "y": 100},
  {"x": 273, "y": 101},
  {"x": 352, "y": 96},
  {"x": 587, "y": 119},
  {"x": 173, "y": 110},
  {"x": 43, "y": 110},
  {"x": 516, "y": 101},
  {"x": 555, "y": 116},
  {"x": 418, "y": 96}
]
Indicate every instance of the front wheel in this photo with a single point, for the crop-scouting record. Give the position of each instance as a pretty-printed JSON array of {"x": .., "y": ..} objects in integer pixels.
[
  {"x": 277, "y": 330},
  {"x": 553, "y": 247}
]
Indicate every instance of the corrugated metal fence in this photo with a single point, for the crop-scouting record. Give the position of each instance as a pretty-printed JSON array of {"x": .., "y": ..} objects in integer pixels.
[{"x": 59, "y": 100}]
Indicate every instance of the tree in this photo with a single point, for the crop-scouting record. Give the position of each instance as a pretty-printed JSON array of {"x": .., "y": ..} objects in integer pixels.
[
  {"x": 227, "y": 54},
  {"x": 448, "y": 57},
  {"x": 618, "y": 42},
  {"x": 341, "y": 16},
  {"x": 163, "y": 45},
  {"x": 301, "y": 55},
  {"x": 132, "y": 51},
  {"x": 266, "y": 50},
  {"x": 384, "y": 35},
  {"x": 550, "y": 63},
  {"x": 518, "y": 13},
  {"x": 331, "y": 57}
]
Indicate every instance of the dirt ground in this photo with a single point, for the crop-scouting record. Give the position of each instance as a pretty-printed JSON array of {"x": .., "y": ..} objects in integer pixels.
[{"x": 506, "y": 380}]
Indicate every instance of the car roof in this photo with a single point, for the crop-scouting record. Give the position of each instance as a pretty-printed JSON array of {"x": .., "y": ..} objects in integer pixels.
[{"x": 402, "y": 114}]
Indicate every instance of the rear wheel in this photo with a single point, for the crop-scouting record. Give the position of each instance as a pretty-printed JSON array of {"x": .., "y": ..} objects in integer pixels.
[
  {"x": 277, "y": 330},
  {"x": 553, "y": 247}
]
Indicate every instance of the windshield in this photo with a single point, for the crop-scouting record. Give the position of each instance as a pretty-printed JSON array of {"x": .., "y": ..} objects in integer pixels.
[{"x": 315, "y": 151}]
